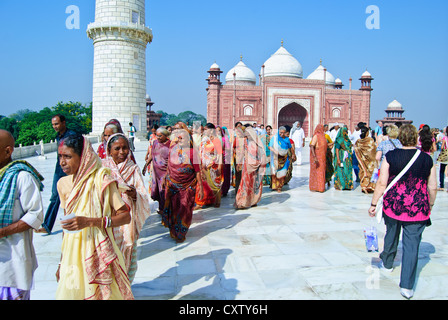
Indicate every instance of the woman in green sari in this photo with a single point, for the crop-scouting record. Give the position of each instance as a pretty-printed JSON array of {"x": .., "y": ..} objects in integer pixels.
[{"x": 343, "y": 176}]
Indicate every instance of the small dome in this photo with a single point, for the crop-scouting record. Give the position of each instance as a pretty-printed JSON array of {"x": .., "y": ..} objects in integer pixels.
[
  {"x": 242, "y": 73},
  {"x": 338, "y": 81},
  {"x": 366, "y": 74},
  {"x": 395, "y": 105},
  {"x": 282, "y": 64},
  {"x": 318, "y": 74},
  {"x": 214, "y": 66}
]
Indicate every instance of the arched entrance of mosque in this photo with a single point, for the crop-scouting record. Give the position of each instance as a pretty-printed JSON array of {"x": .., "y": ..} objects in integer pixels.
[{"x": 291, "y": 113}]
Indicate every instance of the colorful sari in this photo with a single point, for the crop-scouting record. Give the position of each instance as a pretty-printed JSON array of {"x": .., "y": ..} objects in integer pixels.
[
  {"x": 150, "y": 167},
  {"x": 92, "y": 265},
  {"x": 267, "y": 174},
  {"x": 212, "y": 177},
  {"x": 343, "y": 176},
  {"x": 251, "y": 185},
  {"x": 365, "y": 150},
  {"x": 279, "y": 163},
  {"x": 317, "y": 171},
  {"x": 238, "y": 146},
  {"x": 329, "y": 169},
  {"x": 180, "y": 188},
  {"x": 227, "y": 162},
  {"x": 159, "y": 153},
  {"x": 128, "y": 173},
  {"x": 288, "y": 176}
]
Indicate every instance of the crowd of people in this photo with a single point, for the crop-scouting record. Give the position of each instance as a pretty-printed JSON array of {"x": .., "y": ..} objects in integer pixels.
[{"x": 188, "y": 168}]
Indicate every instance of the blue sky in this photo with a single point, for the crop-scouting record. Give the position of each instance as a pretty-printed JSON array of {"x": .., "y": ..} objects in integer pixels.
[{"x": 42, "y": 62}]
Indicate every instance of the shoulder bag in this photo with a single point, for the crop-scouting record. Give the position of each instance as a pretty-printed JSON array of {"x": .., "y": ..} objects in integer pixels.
[{"x": 379, "y": 205}]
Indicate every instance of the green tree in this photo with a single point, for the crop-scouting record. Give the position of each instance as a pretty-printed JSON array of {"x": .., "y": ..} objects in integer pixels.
[
  {"x": 29, "y": 126},
  {"x": 10, "y": 125}
]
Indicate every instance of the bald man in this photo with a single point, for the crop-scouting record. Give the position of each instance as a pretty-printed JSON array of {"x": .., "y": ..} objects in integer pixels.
[{"x": 21, "y": 211}]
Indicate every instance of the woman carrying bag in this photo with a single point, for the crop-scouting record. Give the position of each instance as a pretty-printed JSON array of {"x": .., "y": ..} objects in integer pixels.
[{"x": 406, "y": 205}]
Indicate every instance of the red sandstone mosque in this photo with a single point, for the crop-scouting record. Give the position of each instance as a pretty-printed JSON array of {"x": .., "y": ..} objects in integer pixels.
[{"x": 283, "y": 96}]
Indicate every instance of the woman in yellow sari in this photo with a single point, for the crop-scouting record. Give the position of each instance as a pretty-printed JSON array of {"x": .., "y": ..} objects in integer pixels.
[
  {"x": 365, "y": 150},
  {"x": 92, "y": 266}
]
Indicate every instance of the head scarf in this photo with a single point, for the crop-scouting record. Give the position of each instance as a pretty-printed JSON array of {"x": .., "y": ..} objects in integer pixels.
[{"x": 343, "y": 140}]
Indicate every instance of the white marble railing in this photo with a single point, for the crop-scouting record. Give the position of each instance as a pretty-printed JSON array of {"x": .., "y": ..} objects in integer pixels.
[{"x": 40, "y": 149}]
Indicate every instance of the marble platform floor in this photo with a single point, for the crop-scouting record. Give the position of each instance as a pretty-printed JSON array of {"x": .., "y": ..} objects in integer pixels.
[{"x": 296, "y": 245}]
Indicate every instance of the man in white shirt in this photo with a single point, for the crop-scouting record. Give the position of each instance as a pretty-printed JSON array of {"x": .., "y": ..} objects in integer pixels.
[
  {"x": 21, "y": 211},
  {"x": 298, "y": 136}
]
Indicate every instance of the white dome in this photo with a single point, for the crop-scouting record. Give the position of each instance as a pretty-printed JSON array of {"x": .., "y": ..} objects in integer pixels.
[
  {"x": 318, "y": 74},
  {"x": 214, "y": 66},
  {"x": 243, "y": 73},
  {"x": 282, "y": 64},
  {"x": 395, "y": 105},
  {"x": 366, "y": 74}
]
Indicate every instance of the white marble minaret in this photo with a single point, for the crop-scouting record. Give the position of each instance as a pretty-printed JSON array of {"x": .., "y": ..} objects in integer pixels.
[{"x": 119, "y": 38}]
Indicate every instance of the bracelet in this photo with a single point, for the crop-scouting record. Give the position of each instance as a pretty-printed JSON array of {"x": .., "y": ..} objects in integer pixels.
[{"x": 373, "y": 205}]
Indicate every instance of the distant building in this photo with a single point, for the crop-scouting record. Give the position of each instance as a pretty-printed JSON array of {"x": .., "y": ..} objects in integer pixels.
[
  {"x": 394, "y": 113},
  {"x": 283, "y": 96},
  {"x": 152, "y": 118}
]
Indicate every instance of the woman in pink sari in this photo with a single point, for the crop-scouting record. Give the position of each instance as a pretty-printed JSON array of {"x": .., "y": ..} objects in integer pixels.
[
  {"x": 133, "y": 193},
  {"x": 251, "y": 185},
  {"x": 158, "y": 157},
  {"x": 181, "y": 181}
]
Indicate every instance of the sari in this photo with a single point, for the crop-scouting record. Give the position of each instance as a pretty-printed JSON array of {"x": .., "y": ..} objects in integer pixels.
[
  {"x": 329, "y": 169},
  {"x": 150, "y": 168},
  {"x": 317, "y": 171},
  {"x": 238, "y": 146},
  {"x": 227, "y": 162},
  {"x": 92, "y": 266},
  {"x": 267, "y": 174},
  {"x": 279, "y": 163},
  {"x": 251, "y": 185},
  {"x": 288, "y": 176},
  {"x": 343, "y": 175},
  {"x": 126, "y": 174},
  {"x": 180, "y": 190},
  {"x": 212, "y": 177},
  {"x": 159, "y": 153},
  {"x": 365, "y": 150}
]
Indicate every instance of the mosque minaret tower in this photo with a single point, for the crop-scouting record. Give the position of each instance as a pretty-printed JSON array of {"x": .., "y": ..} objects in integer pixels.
[{"x": 119, "y": 38}]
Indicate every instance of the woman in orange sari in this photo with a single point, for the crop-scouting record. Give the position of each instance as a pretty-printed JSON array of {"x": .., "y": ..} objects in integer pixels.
[
  {"x": 212, "y": 165},
  {"x": 318, "y": 152},
  {"x": 92, "y": 266},
  {"x": 251, "y": 185}
]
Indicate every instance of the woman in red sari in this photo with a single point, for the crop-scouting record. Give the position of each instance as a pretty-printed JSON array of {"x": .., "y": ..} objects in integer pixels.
[
  {"x": 251, "y": 185},
  {"x": 318, "y": 152},
  {"x": 181, "y": 181}
]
